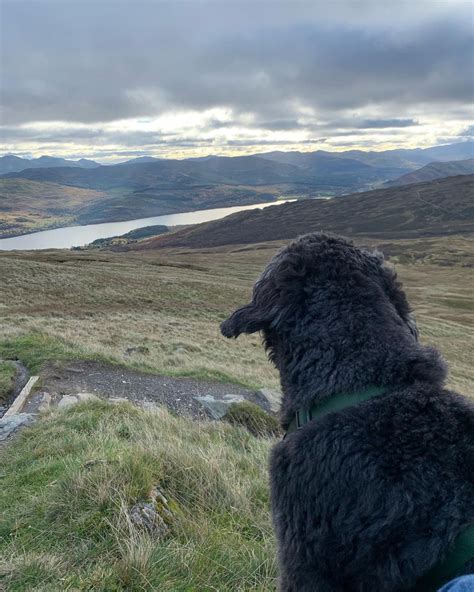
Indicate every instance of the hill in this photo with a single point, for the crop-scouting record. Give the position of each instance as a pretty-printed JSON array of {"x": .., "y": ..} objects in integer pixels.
[
  {"x": 12, "y": 164},
  {"x": 435, "y": 170},
  {"x": 148, "y": 186},
  {"x": 439, "y": 207},
  {"x": 27, "y": 206},
  {"x": 172, "y": 174},
  {"x": 400, "y": 158}
]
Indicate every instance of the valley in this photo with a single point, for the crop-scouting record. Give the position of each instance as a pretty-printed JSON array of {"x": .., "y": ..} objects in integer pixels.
[{"x": 56, "y": 192}]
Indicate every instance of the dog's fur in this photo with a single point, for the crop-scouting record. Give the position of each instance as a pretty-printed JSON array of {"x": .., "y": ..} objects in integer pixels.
[{"x": 366, "y": 499}]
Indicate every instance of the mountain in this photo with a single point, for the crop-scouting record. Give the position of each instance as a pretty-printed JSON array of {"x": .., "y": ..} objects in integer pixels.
[
  {"x": 139, "y": 159},
  {"x": 13, "y": 164},
  {"x": 148, "y": 186},
  {"x": 401, "y": 158},
  {"x": 439, "y": 207},
  {"x": 152, "y": 189},
  {"x": 27, "y": 206},
  {"x": 170, "y": 174},
  {"x": 436, "y": 170}
]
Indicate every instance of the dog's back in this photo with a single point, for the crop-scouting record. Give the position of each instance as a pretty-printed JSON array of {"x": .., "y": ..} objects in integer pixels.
[{"x": 371, "y": 497}]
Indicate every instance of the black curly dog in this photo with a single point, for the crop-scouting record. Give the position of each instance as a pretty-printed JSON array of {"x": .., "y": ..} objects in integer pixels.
[{"x": 372, "y": 497}]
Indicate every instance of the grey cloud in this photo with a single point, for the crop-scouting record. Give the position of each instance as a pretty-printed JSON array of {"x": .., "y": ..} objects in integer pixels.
[
  {"x": 92, "y": 62},
  {"x": 386, "y": 123}
]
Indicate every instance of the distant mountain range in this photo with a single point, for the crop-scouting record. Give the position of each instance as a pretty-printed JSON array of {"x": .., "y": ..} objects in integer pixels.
[
  {"x": 147, "y": 186},
  {"x": 337, "y": 168},
  {"x": 15, "y": 164},
  {"x": 436, "y": 170},
  {"x": 436, "y": 208}
]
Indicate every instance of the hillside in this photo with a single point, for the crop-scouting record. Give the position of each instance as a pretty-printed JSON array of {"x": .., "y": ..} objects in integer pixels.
[
  {"x": 27, "y": 206},
  {"x": 12, "y": 164},
  {"x": 147, "y": 186},
  {"x": 436, "y": 208},
  {"x": 435, "y": 170}
]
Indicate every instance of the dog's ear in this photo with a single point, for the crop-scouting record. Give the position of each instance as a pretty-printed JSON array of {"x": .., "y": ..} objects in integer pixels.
[{"x": 248, "y": 319}]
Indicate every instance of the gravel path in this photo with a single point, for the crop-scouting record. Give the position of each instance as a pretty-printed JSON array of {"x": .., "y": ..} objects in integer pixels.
[{"x": 178, "y": 394}]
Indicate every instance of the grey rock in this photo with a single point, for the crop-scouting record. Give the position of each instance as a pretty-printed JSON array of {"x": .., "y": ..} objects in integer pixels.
[
  {"x": 218, "y": 406},
  {"x": 68, "y": 400},
  {"x": 273, "y": 398},
  {"x": 8, "y": 425},
  {"x": 153, "y": 516}
]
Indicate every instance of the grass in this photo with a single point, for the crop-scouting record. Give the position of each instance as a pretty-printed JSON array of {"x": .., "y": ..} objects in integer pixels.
[
  {"x": 66, "y": 483},
  {"x": 95, "y": 305},
  {"x": 253, "y": 418},
  {"x": 76, "y": 473},
  {"x": 7, "y": 375}
]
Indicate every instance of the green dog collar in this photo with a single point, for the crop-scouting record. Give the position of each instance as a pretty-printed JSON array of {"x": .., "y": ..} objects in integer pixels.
[{"x": 335, "y": 403}]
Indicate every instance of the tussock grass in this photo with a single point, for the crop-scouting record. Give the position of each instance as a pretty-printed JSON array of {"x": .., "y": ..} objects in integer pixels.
[
  {"x": 75, "y": 474},
  {"x": 252, "y": 417},
  {"x": 55, "y": 305},
  {"x": 7, "y": 375}
]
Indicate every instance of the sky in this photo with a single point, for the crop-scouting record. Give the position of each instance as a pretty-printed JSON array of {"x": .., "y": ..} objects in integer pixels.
[{"x": 107, "y": 79}]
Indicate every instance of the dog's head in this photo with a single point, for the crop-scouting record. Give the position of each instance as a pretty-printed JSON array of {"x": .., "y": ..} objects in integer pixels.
[{"x": 304, "y": 280}]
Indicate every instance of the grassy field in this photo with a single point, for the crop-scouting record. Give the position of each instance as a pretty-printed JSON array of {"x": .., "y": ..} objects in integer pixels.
[
  {"x": 68, "y": 482},
  {"x": 76, "y": 474},
  {"x": 97, "y": 304}
]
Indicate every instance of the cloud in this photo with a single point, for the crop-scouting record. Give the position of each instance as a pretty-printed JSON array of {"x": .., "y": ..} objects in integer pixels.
[
  {"x": 468, "y": 132},
  {"x": 301, "y": 68},
  {"x": 386, "y": 123}
]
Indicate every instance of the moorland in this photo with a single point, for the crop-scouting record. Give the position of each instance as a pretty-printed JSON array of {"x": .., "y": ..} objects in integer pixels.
[{"x": 68, "y": 482}]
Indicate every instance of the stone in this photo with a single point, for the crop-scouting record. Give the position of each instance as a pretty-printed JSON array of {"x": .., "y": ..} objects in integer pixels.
[
  {"x": 45, "y": 402},
  {"x": 154, "y": 515},
  {"x": 117, "y": 400},
  {"x": 68, "y": 400},
  {"x": 10, "y": 424},
  {"x": 218, "y": 406},
  {"x": 272, "y": 397}
]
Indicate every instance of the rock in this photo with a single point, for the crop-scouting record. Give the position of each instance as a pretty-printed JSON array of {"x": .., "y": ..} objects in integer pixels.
[
  {"x": 272, "y": 397},
  {"x": 45, "y": 402},
  {"x": 117, "y": 400},
  {"x": 68, "y": 400},
  {"x": 154, "y": 515},
  {"x": 9, "y": 424},
  {"x": 148, "y": 405},
  {"x": 218, "y": 407}
]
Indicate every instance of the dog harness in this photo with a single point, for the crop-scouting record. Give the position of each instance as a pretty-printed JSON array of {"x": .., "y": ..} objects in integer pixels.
[{"x": 462, "y": 550}]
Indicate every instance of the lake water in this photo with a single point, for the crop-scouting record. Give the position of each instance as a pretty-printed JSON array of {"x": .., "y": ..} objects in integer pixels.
[{"x": 78, "y": 236}]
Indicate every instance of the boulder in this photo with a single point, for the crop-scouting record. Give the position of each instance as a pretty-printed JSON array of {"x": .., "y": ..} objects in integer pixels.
[
  {"x": 218, "y": 406},
  {"x": 10, "y": 424},
  {"x": 272, "y": 397}
]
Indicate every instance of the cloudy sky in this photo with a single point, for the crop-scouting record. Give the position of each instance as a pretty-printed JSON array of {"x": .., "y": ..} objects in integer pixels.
[{"x": 106, "y": 79}]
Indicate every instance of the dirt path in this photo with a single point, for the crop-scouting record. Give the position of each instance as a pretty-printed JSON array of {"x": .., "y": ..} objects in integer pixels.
[{"x": 184, "y": 396}]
